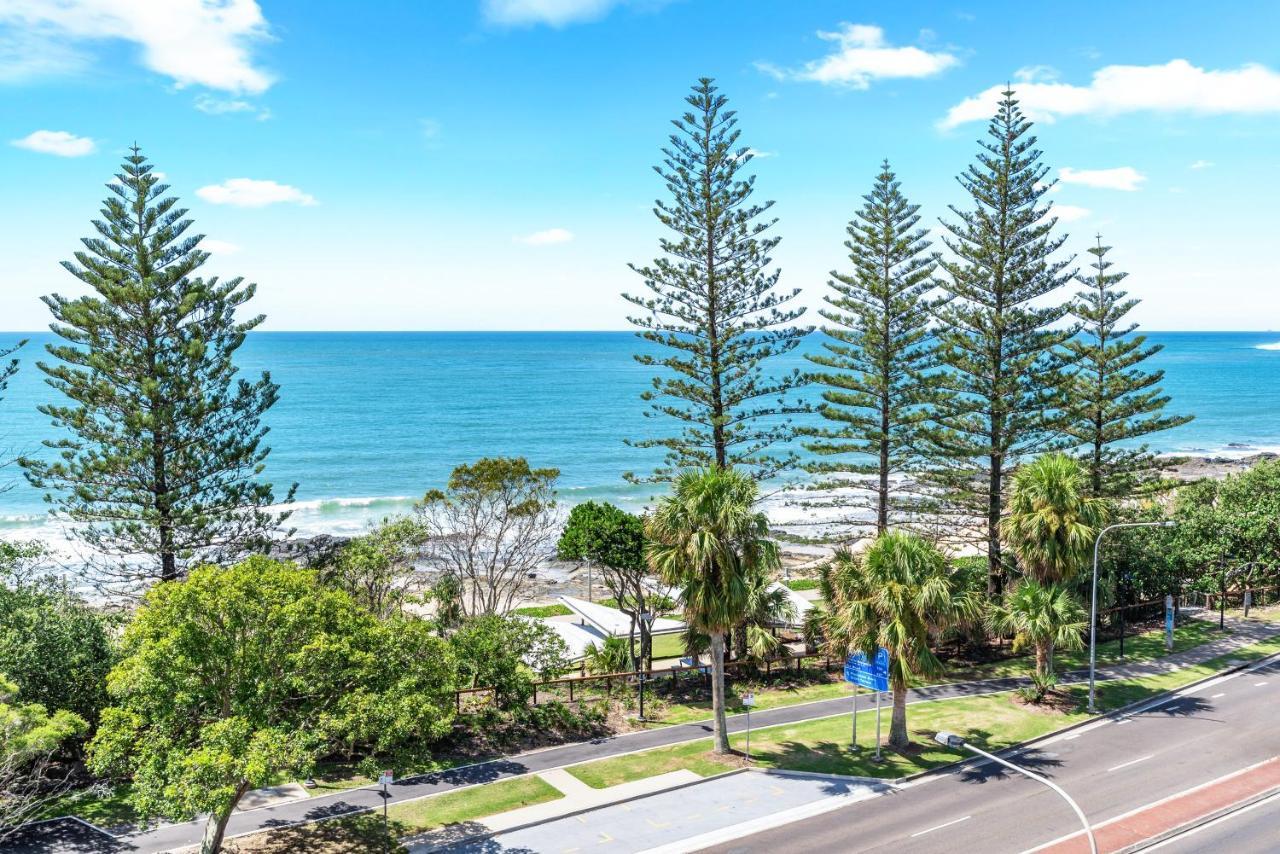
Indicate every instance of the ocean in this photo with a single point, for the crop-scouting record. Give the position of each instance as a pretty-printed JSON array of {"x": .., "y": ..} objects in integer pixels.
[{"x": 367, "y": 422}]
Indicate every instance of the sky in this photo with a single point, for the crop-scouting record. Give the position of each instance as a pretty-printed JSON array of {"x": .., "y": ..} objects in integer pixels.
[{"x": 487, "y": 164}]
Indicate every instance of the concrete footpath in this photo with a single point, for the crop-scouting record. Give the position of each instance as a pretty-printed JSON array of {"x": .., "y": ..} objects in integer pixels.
[{"x": 174, "y": 836}]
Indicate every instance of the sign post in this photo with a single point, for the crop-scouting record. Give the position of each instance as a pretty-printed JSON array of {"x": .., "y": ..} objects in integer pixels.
[
  {"x": 748, "y": 700},
  {"x": 873, "y": 675},
  {"x": 385, "y": 778},
  {"x": 1168, "y": 622}
]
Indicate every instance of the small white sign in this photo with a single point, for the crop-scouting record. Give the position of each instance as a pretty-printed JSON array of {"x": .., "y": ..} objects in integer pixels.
[
  {"x": 748, "y": 700},
  {"x": 385, "y": 778}
]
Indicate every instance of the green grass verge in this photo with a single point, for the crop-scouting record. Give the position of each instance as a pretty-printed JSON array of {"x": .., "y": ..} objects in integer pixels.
[
  {"x": 668, "y": 646},
  {"x": 1144, "y": 647},
  {"x": 556, "y": 610},
  {"x": 803, "y": 584},
  {"x": 995, "y": 721},
  {"x": 103, "y": 810}
]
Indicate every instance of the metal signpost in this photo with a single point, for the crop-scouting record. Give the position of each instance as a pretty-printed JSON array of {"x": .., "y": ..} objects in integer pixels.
[
  {"x": 872, "y": 675},
  {"x": 748, "y": 700},
  {"x": 1168, "y": 622},
  {"x": 385, "y": 778}
]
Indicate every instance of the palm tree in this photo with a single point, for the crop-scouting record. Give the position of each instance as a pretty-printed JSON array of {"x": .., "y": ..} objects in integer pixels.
[
  {"x": 1052, "y": 519},
  {"x": 706, "y": 539},
  {"x": 767, "y": 606},
  {"x": 1046, "y": 615},
  {"x": 894, "y": 596}
]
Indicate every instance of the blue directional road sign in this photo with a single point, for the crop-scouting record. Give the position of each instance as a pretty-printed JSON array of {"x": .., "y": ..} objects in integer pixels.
[{"x": 873, "y": 675}]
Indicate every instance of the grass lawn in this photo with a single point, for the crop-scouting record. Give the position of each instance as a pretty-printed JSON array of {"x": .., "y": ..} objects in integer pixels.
[
  {"x": 1143, "y": 647},
  {"x": 364, "y": 832},
  {"x": 994, "y": 721},
  {"x": 668, "y": 646},
  {"x": 803, "y": 584},
  {"x": 556, "y": 610},
  {"x": 104, "y": 811}
]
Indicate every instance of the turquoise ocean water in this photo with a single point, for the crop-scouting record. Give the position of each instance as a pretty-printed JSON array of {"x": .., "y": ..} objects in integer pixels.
[{"x": 369, "y": 421}]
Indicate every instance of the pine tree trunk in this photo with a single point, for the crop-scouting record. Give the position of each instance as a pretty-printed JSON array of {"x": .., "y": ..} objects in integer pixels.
[
  {"x": 882, "y": 511},
  {"x": 995, "y": 559},
  {"x": 717, "y": 693},
  {"x": 216, "y": 825}
]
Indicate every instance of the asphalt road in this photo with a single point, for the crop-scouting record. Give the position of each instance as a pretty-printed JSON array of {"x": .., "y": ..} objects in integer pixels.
[
  {"x": 1252, "y": 830},
  {"x": 1110, "y": 768}
]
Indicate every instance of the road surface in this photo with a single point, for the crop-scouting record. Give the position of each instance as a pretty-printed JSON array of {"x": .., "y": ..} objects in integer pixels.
[{"x": 1111, "y": 768}]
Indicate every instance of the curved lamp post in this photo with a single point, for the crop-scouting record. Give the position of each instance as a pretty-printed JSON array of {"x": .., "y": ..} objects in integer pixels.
[
  {"x": 950, "y": 739},
  {"x": 1093, "y": 608}
]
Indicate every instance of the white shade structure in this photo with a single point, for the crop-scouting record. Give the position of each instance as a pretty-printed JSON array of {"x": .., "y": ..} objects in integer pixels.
[
  {"x": 576, "y": 637},
  {"x": 611, "y": 621},
  {"x": 801, "y": 605}
]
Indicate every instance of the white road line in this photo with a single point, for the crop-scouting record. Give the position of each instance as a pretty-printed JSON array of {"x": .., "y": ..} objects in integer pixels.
[
  {"x": 1125, "y": 721},
  {"x": 1072, "y": 736},
  {"x": 1130, "y": 762},
  {"x": 1259, "y": 684},
  {"x": 1219, "y": 694},
  {"x": 940, "y": 826}
]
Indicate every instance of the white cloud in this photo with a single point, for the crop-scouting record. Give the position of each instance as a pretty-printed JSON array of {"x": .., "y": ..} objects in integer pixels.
[
  {"x": 1176, "y": 86},
  {"x": 755, "y": 152},
  {"x": 1120, "y": 178},
  {"x": 219, "y": 247},
  {"x": 223, "y": 106},
  {"x": 554, "y": 13},
  {"x": 1201, "y": 164},
  {"x": 863, "y": 55},
  {"x": 430, "y": 128},
  {"x": 1069, "y": 213},
  {"x": 57, "y": 142},
  {"x": 251, "y": 193},
  {"x": 202, "y": 42},
  {"x": 546, "y": 238}
]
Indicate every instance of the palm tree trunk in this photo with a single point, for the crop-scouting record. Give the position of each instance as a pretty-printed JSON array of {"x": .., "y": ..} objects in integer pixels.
[
  {"x": 898, "y": 737},
  {"x": 1042, "y": 658},
  {"x": 717, "y": 692}
]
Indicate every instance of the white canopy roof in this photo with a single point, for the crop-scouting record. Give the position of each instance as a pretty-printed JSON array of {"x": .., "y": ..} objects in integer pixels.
[
  {"x": 576, "y": 637},
  {"x": 801, "y": 605},
  {"x": 611, "y": 621}
]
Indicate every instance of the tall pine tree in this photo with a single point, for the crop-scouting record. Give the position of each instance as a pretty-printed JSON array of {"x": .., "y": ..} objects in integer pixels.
[
  {"x": 714, "y": 309},
  {"x": 1114, "y": 400},
  {"x": 997, "y": 334},
  {"x": 163, "y": 462},
  {"x": 879, "y": 363}
]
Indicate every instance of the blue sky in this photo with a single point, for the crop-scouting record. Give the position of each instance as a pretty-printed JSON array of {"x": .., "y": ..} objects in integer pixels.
[{"x": 486, "y": 164}]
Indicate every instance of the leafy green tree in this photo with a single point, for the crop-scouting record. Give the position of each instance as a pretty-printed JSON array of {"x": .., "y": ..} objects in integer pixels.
[
  {"x": 707, "y": 539},
  {"x": 1224, "y": 524},
  {"x": 507, "y": 654},
  {"x": 1053, "y": 518},
  {"x": 894, "y": 596},
  {"x": 29, "y": 738},
  {"x": 878, "y": 369},
  {"x": 235, "y": 676},
  {"x": 1045, "y": 615},
  {"x": 378, "y": 570},
  {"x": 714, "y": 311},
  {"x": 163, "y": 464},
  {"x": 998, "y": 335},
  {"x": 489, "y": 528},
  {"x": 56, "y": 648},
  {"x": 1114, "y": 399},
  {"x": 613, "y": 540}
]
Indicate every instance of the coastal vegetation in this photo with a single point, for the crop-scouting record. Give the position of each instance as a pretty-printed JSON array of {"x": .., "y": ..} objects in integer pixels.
[{"x": 979, "y": 429}]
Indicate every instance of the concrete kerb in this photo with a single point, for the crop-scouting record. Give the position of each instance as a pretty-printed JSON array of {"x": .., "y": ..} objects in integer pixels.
[
  {"x": 1174, "y": 832},
  {"x": 487, "y": 834}
]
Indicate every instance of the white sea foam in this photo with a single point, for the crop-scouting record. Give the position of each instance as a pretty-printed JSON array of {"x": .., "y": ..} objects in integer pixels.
[{"x": 1275, "y": 345}]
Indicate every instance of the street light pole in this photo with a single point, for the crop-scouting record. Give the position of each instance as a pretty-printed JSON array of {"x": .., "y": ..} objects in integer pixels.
[
  {"x": 647, "y": 619},
  {"x": 1093, "y": 608},
  {"x": 950, "y": 739}
]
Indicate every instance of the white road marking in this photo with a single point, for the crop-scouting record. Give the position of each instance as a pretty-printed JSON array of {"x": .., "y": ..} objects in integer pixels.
[
  {"x": 1259, "y": 684},
  {"x": 1125, "y": 721},
  {"x": 1130, "y": 762},
  {"x": 1219, "y": 694},
  {"x": 1073, "y": 735},
  {"x": 940, "y": 826}
]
